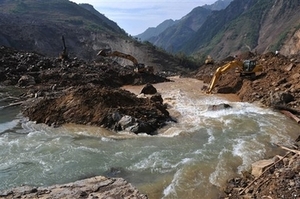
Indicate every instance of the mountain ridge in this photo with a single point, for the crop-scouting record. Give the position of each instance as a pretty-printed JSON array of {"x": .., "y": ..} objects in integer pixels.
[
  {"x": 250, "y": 25},
  {"x": 35, "y": 25},
  {"x": 155, "y": 38}
]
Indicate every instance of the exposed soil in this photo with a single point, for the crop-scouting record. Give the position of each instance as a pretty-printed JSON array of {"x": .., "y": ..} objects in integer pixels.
[{"x": 280, "y": 77}]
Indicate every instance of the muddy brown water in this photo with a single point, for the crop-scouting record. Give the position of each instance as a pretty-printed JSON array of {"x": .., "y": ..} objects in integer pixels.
[{"x": 192, "y": 158}]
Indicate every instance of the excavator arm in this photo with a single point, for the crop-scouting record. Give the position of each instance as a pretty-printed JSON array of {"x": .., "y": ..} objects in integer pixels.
[
  {"x": 108, "y": 53},
  {"x": 141, "y": 68},
  {"x": 221, "y": 70}
]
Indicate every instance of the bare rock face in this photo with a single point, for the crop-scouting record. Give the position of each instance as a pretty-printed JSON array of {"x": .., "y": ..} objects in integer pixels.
[{"x": 95, "y": 187}]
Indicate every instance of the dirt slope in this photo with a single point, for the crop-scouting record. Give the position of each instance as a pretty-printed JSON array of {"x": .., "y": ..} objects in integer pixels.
[
  {"x": 280, "y": 76},
  {"x": 277, "y": 87}
]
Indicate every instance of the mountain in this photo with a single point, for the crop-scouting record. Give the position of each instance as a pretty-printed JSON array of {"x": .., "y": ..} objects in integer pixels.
[
  {"x": 218, "y": 5},
  {"x": 177, "y": 35},
  {"x": 173, "y": 38},
  {"x": 112, "y": 24},
  {"x": 152, "y": 32},
  {"x": 38, "y": 25},
  {"x": 255, "y": 25}
]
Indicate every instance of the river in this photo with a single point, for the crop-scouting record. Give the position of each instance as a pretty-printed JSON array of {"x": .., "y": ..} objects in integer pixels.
[{"x": 192, "y": 158}]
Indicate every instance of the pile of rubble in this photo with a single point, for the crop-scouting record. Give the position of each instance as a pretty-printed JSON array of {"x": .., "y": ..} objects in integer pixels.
[
  {"x": 278, "y": 87},
  {"x": 62, "y": 91}
]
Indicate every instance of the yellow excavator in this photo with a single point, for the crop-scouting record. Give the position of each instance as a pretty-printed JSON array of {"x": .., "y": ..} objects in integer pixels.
[
  {"x": 141, "y": 68},
  {"x": 244, "y": 68}
]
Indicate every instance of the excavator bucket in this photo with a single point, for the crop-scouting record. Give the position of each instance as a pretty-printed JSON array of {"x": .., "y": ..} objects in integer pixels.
[{"x": 102, "y": 53}]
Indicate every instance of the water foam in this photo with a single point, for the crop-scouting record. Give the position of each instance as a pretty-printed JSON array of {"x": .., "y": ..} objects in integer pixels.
[
  {"x": 8, "y": 125},
  {"x": 170, "y": 190}
]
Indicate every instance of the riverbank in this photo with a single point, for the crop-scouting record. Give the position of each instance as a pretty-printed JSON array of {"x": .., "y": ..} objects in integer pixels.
[
  {"x": 277, "y": 87},
  {"x": 95, "y": 187}
]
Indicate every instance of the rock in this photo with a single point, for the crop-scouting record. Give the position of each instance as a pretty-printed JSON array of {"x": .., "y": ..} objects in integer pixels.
[
  {"x": 287, "y": 98},
  {"x": 218, "y": 107},
  {"x": 259, "y": 167},
  {"x": 95, "y": 187},
  {"x": 278, "y": 97},
  {"x": 125, "y": 122},
  {"x": 295, "y": 76},
  {"x": 149, "y": 89},
  {"x": 289, "y": 67},
  {"x": 281, "y": 81},
  {"x": 157, "y": 98},
  {"x": 26, "y": 80}
]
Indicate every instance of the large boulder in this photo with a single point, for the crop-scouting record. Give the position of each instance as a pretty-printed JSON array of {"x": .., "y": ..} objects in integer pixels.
[{"x": 149, "y": 89}]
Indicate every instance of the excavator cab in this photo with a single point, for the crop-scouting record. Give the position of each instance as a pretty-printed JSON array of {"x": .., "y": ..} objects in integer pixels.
[{"x": 249, "y": 65}]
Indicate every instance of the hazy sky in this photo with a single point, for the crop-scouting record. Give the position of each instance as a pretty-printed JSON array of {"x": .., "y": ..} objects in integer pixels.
[{"x": 135, "y": 16}]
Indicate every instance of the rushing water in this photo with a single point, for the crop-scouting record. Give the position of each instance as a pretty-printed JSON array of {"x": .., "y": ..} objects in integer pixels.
[{"x": 188, "y": 159}]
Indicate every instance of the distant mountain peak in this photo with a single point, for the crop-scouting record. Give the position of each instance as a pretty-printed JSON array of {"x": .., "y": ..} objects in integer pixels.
[
  {"x": 218, "y": 5},
  {"x": 152, "y": 32}
]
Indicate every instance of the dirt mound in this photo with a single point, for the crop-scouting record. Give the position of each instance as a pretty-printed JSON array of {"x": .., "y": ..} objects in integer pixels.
[
  {"x": 115, "y": 109},
  {"x": 280, "y": 76},
  {"x": 73, "y": 91}
]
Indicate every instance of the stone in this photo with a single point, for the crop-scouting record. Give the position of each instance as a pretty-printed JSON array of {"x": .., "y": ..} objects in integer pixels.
[
  {"x": 218, "y": 107},
  {"x": 149, "y": 89},
  {"x": 259, "y": 167},
  {"x": 26, "y": 80},
  {"x": 289, "y": 67}
]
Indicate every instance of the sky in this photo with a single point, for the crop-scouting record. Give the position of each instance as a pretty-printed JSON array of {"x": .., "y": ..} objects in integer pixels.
[{"x": 135, "y": 16}]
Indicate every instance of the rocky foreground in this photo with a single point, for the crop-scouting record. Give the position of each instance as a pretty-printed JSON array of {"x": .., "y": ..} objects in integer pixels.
[
  {"x": 96, "y": 187},
  {"x": 58, "y": 91}
]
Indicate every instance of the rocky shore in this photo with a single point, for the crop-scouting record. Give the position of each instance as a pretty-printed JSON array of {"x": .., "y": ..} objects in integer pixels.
[
  {"x": 95, "y": 187},
  {"x": 277, "y": 87}
]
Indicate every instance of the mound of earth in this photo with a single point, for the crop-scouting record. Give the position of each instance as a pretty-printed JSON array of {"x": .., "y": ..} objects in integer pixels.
[
  {"x": 115, "y": 109},
  {"x": 28, "y": 69},
  {"x": 280, "y": 77},
  {"x": 72, "y": 91}
]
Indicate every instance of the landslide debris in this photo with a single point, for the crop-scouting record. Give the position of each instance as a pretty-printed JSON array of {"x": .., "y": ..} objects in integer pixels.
[
  {"x": 74, "y": 91},
  {"x": 278, "y": 84},
  {"x": 277, "y": 87}
]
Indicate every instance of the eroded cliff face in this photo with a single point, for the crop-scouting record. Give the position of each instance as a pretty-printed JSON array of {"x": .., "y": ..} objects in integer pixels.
[
  {"x": 292, "y": 45},
  {"x": 278, "y": 28}
]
